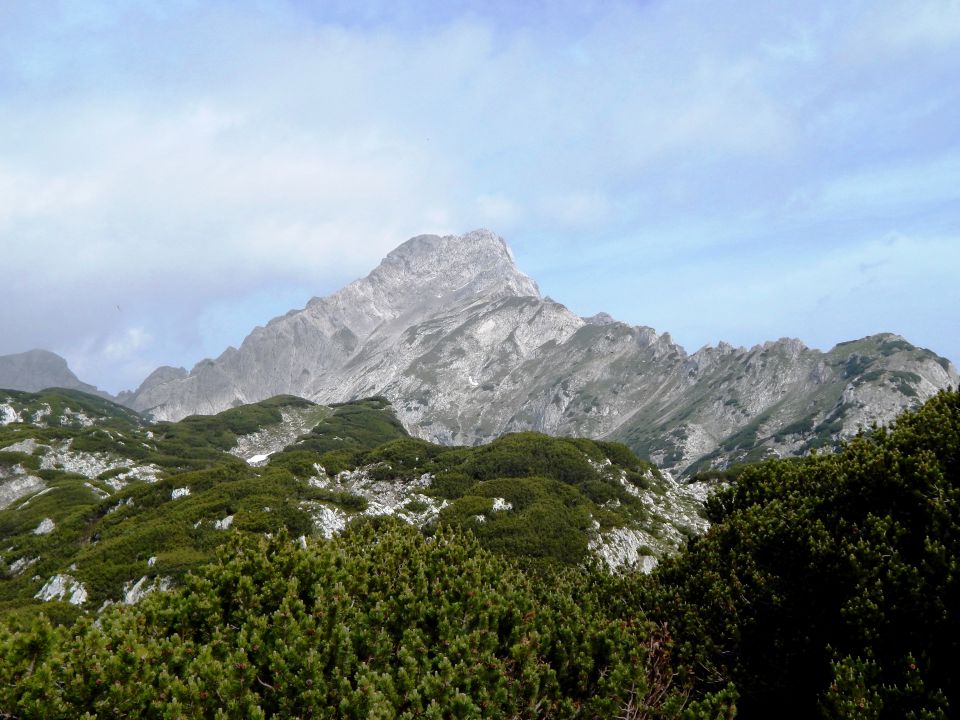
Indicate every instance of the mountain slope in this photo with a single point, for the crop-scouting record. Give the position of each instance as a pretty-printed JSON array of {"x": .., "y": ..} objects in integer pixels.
[
  {"x": 38, "y": 369},
  {"x": 98, "y": 505},
  {"x": 340, "y": 347},
  {"x": 465, "y": 347}
]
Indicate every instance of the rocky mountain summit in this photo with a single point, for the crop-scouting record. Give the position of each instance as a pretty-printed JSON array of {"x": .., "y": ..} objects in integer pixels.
[
  {"x": 38, "y": 369},
  {"x": 466, "y": 348}
]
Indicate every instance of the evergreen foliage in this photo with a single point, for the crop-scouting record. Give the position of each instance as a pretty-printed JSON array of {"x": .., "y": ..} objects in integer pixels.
[
  {"x": 359, "y": 425},
  {"x": 379, "y": 623},
  {"x": 58, "y": 407},
  {"x": 831, "y": 586},
  {"x": 555, "y": 487},
  {"x": 827, "y": 587},
  {"x": 110, "y": 538}
]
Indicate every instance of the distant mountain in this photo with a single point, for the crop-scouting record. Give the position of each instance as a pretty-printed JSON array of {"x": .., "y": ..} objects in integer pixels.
[
  {"x": 466, "y": 348},
  {"x": 38, "y": 369}
]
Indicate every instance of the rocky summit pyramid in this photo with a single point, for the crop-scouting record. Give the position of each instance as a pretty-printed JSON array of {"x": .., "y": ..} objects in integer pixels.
[{"x": 462, "y": 342}]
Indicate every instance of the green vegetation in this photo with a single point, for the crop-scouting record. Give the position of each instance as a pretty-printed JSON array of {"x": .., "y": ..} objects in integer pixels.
[
  {"x": 359, "y": 425},
  {"x": 565, "y": 482},
  {"x": 59, "y": 407},
  {"x": 555, "y": 487},
  {"x": 221, "y": 430},
  {"x": 199, "y": 440},
  {"x": 552, "y": 492},
  {"x": 547, "y": 519},
  {"x": 104, "y": 536},
  {"x": 341, "y": 440},
  {"x": 379, "y": 623},
  {"x": 109, "y": 541},
  {"x": 830, "y": 586}
]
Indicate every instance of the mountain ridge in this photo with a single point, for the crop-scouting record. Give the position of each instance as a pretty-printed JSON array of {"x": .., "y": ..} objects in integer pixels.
[{"x": 465, "y": 346}]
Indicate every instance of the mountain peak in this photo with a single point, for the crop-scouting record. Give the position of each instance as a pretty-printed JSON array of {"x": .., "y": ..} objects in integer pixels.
[
  {"x": 425, "y": 273},
  {"x": 477, "y": 262},
  {"x": 38, "y": 369},
  {"x": 480, "y": 242}
]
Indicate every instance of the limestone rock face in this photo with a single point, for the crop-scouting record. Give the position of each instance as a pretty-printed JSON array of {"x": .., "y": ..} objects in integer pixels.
[
  {"x": 36, "y": 370},
  {"x": 360, "y": 339},
  {"x": 466, "y": 348}
]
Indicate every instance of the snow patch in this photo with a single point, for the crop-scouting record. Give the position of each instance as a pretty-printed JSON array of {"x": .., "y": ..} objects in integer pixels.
[{"x": 259, "y": 459}]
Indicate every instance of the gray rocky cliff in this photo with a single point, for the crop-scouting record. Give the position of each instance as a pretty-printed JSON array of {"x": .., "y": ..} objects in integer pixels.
[
  {"x": 466, "y": 348},
  {"x": 39, "y": 369}
]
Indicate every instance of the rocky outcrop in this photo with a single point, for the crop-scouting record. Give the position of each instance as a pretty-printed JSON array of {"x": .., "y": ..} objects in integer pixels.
[{"x": 466, "y": 348}]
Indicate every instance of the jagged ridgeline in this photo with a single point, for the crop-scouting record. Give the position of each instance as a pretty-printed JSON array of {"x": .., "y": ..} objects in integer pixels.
[
  {"x": 466, "y": 349},
  {"x": 97, "y": 505}
]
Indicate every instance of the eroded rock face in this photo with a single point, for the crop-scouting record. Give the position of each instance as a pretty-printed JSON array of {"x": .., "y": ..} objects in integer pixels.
[
  {"x": 63, "y": 587},
  {"x": 465, "y": 347},
  {"x": 15, "y": 485},
  {"x": 358, "y": 340}
]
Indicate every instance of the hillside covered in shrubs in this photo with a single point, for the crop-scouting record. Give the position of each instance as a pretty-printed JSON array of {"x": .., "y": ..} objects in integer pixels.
[
  {"x": 98, "y": 505},
  {"x": 826, "y": 587}
]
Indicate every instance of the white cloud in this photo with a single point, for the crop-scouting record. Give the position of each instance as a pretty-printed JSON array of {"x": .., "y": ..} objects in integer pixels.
[
  {"x": 129, "y": 343},
  {"x": 497, "y": 211},
  {"x": 578, "y": 209},
  {"x": 181, "y": 158}
]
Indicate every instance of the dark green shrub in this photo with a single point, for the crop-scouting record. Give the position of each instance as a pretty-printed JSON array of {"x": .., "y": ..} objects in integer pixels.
[
  {"x": 831, "y": 585},
  {"x": 378, "y": 623}
]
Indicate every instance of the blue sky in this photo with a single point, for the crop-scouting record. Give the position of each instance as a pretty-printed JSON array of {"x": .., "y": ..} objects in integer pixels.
[{"x": 173, "y": 173}]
